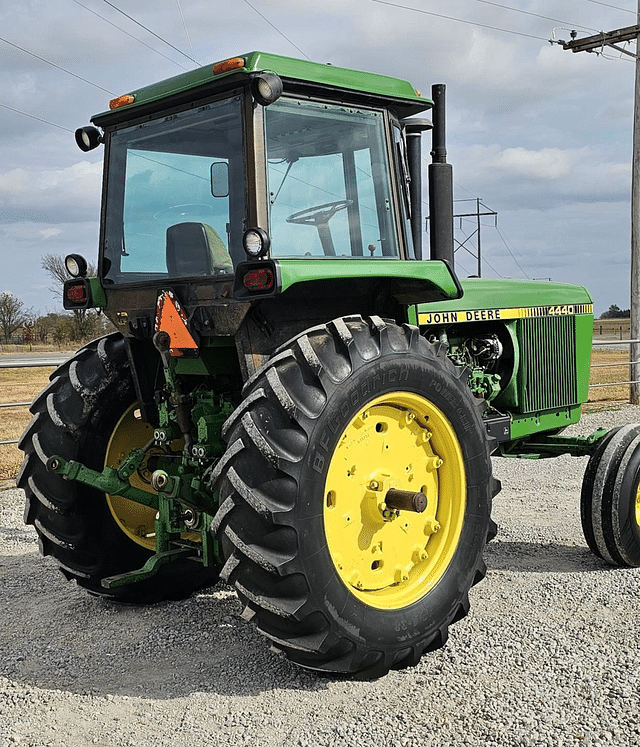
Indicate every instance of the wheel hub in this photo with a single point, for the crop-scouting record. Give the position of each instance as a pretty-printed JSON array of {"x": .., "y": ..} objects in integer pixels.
[{"x": 398, "y": 447}]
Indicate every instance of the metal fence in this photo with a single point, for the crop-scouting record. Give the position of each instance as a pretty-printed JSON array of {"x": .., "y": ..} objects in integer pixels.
[
  {"x": 26, "y": 364},
  {"x": 614, "y": 344}
]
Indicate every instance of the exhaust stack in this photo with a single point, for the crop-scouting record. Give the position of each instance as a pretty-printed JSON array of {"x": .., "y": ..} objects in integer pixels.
[
  {"x": 414, "y": 127},
  {"x": 440, "y": 184}
]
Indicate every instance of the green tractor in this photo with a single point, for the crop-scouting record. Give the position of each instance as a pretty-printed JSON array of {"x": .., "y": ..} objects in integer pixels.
[{"x": 296, "y": 402}]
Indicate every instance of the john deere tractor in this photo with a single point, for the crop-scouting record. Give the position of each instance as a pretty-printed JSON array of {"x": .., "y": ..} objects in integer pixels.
[{"x": 296, "y": 401}]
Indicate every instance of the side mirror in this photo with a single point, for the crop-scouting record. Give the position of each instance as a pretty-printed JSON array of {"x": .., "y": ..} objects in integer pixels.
[{"x": 220, "y": 179}]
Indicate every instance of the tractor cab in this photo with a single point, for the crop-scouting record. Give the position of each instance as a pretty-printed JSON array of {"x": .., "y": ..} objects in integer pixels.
[{"x": 284, "y": 165}]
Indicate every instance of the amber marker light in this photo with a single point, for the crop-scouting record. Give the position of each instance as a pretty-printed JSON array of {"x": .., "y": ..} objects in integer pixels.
[
  {"x": 226, "y": 65},
  {"x": 121, "y": 101}
]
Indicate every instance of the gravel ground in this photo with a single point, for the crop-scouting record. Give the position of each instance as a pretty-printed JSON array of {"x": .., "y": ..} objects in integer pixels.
[{"x": 549, "y": 654}]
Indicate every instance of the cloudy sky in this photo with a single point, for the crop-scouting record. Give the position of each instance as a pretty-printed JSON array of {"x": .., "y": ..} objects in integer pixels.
[{"x": 541, "y": 135}]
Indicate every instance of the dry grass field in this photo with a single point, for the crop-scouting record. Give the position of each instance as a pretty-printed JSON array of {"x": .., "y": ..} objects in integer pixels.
[
  {"x": 17, "y": 385},
  {"x": 611, "y": 328},
  {"x": 22, "y": 385},
  {"x": 608, "y": 366}
]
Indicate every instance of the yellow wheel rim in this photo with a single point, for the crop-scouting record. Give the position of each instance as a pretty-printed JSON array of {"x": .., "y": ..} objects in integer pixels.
[
  {"x": 638, "y": 506},
  {"x": 390, "y": 559},
  {"x": 136, "y": 521}
]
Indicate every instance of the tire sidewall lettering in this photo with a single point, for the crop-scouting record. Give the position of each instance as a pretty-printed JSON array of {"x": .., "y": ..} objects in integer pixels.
[{"x": 343, "y": 403}]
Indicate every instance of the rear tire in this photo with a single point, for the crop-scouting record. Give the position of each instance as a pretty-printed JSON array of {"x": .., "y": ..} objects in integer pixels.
[
  {"x": 610, "y": 498},
  {"x": 85, "y": 415},
  {"x": 344, "y": 412}
]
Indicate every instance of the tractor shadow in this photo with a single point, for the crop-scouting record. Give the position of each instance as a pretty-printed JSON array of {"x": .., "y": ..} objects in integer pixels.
[
  {"x": 542, "y": 557},
  {"x": 54, "y": 635}
]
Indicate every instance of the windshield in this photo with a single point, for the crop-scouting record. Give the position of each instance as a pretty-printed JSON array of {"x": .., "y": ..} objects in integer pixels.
[
  {"x": 329, "y": 182},
  {"x": 175, "y": 193}
]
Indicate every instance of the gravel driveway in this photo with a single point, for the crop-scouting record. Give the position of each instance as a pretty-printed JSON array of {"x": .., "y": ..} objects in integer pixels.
[{"x": 549, "y": 654}]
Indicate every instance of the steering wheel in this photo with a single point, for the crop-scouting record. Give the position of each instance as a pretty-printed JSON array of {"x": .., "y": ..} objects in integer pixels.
[{"x": 318, "y": 214}]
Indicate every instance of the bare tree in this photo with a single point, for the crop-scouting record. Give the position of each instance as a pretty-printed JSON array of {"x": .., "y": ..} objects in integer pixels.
[{"x": 12, "y": 314}]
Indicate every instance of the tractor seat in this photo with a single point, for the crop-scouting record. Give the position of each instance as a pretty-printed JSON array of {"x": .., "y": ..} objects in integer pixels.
[{"x": 196, "y": 249}]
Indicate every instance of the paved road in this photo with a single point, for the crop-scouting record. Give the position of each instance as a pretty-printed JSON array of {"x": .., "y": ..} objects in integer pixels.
[{"x": 22, "y": 360}]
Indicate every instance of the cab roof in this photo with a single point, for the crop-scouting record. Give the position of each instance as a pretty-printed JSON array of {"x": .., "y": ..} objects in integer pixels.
[{"x": 297, "y": 75}]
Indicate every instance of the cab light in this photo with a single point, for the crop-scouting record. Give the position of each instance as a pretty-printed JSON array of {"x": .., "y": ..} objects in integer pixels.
[
  {"x": 266, "y": 88},
  {"x": 260, "y": 279},
  {"x": 256, "y": 242},
  {"x": 77, "y": 293},
  {"x": 76, "y": 265},
  {"x": 224, "y": 67},
  {"x": 88, "y": 138},
  {"x": 121, "y": 101}
]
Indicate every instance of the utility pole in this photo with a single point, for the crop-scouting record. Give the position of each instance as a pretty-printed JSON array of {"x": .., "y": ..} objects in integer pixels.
[
  {"x": 590, "y": 44},
  {"x": 477, "y": 214}
]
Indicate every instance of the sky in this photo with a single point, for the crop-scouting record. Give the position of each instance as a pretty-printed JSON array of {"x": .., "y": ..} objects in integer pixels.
[{"x": 541, "y": 135}]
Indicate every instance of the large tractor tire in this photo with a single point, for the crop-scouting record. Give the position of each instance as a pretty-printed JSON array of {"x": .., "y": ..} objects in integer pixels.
[
  {"x": 610, "y": 498},
  {"x": 332, "y": 571},
  {"x": 88, "y": 414}
]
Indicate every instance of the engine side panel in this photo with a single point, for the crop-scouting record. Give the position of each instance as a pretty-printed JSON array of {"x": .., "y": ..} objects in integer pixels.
[{"x": 527, "y": 345}]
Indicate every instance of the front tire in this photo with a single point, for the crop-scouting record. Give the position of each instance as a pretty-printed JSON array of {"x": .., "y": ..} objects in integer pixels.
[
  {"x": 341, "y": 415},
  {"x": 610, "y": 498},
  {"x": 87, "y": 414}
]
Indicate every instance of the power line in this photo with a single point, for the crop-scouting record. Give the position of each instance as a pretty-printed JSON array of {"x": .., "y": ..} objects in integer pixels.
[
  {"x": 518, "y": 252},
  {"x": 53, "y": 64},
  {"x": 111, "y": 5},
  {"x": 31, "y": 116},
  {"x": 186, "y": 30},
  {"x": 486, "y": 261},
  {"x": 535, "y": 15},
  {"x": 115, "y": 26},
  {"x": 504, "y": 241},
  {"x": 460, "y": 20},
  {"x": 615, "y": 7},
  {"x": 475, "y": 197},
  {"x": 264, "y": 18}
]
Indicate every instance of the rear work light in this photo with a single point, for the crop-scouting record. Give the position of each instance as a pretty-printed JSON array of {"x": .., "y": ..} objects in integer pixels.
[
  {"x": 76, "y": 265},
  {"x": 256, "y": 242},
  {"x": 88, "y": 138},
  {"x": 266, "y": 88},
  {"x": 260, "y": 279}
]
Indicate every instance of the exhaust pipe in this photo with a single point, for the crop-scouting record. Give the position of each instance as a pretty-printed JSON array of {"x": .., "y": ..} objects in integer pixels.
[
  {"x": 414, "y": 127},
  {"x": 440, "y": 184}
]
